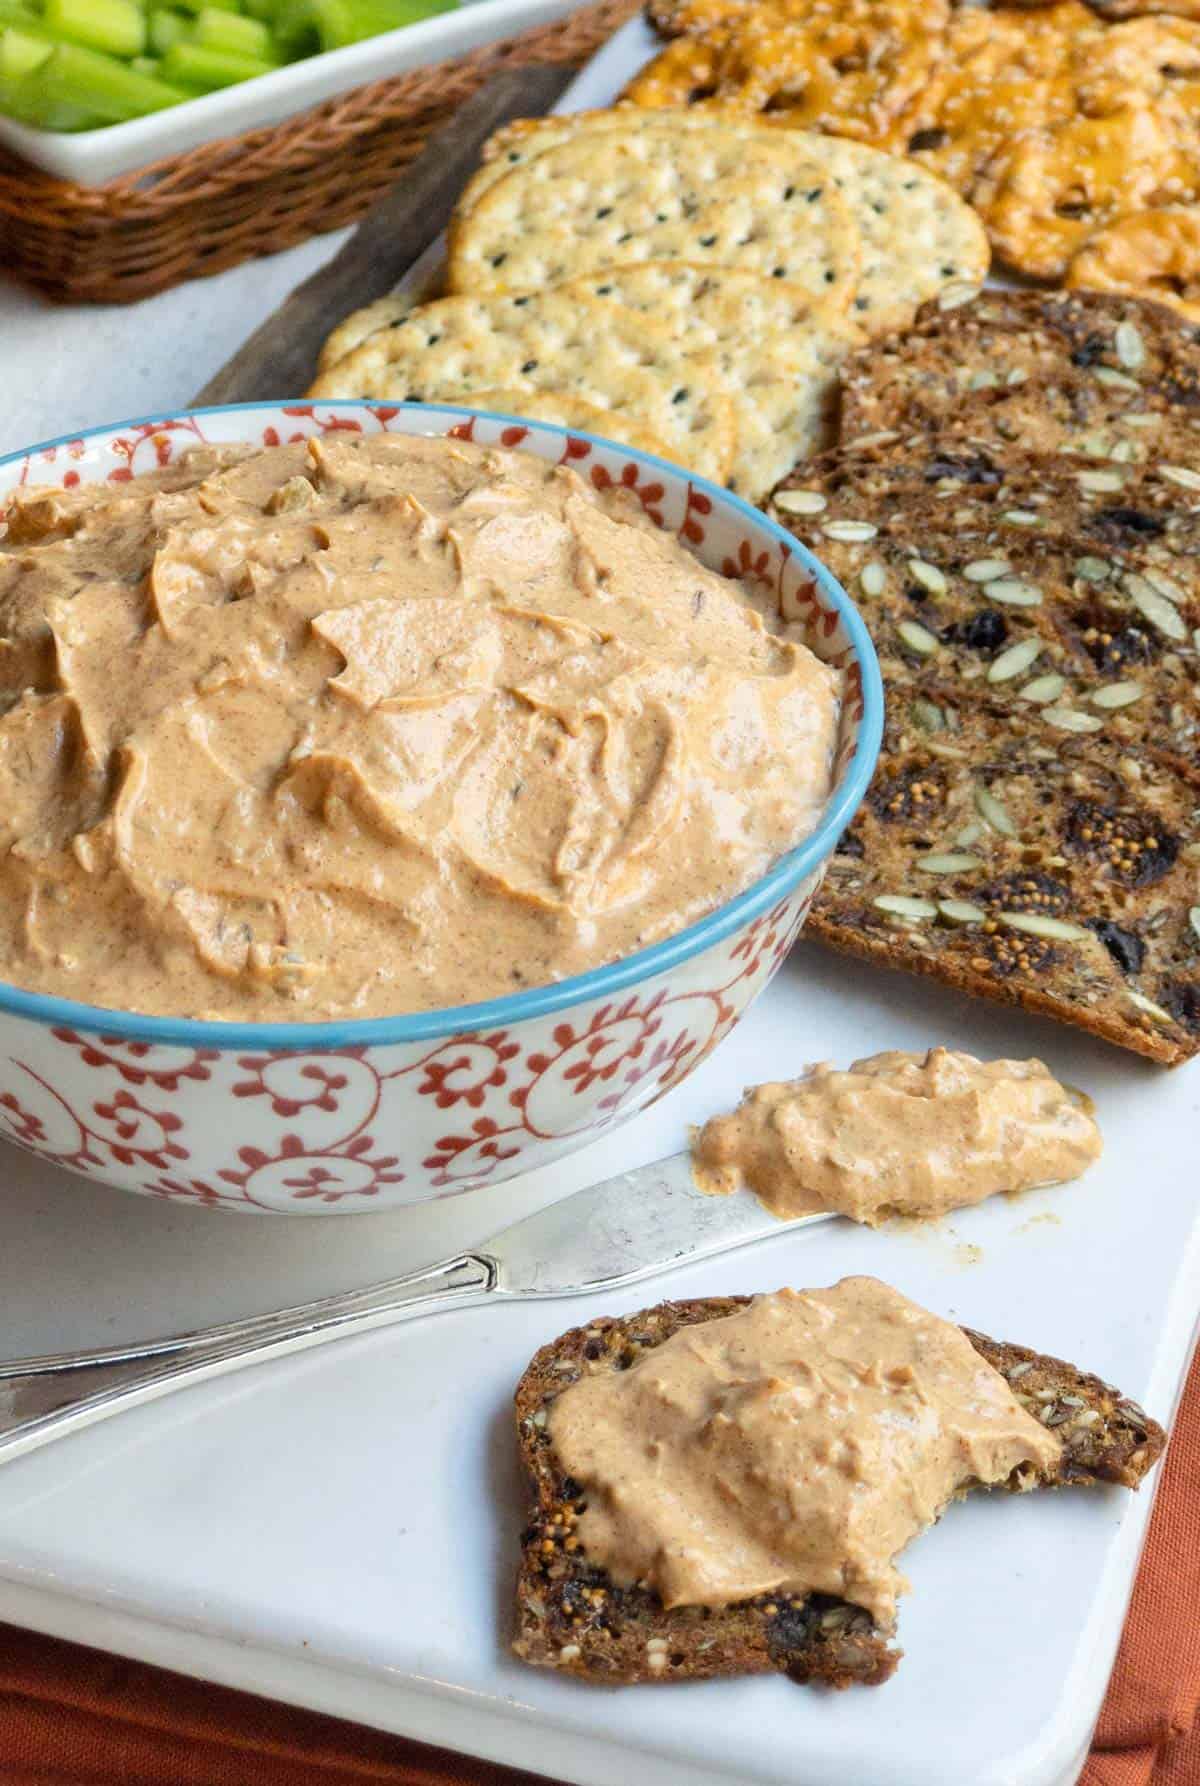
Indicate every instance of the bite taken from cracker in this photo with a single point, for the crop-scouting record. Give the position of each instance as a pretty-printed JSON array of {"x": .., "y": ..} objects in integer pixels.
[{"x": 723, "y": 1486}]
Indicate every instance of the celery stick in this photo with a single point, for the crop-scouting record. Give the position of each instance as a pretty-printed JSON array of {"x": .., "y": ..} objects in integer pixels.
[
  {"x": 73, "y": 80},
  {"x": 20, "y": 53},
  {"x": 217, "y": 30},
  {"x": 195, "y": 6},
  {"x": 294, "y": 28},
  {"x": 336, "y": 23},
  {"x": 117, "y": 27},
  {"x": 166, "y": 28},
  {"x": 191, "y": 65}
]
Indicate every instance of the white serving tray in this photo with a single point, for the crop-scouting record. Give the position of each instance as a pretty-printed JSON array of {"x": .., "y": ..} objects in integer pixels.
[
  {"x": 339, "y": 1531},
  {"x": 91, "y": 157}
]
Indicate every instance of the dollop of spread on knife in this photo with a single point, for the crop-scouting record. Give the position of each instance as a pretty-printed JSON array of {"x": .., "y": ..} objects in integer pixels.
[{"x": 898, "y": 1134}]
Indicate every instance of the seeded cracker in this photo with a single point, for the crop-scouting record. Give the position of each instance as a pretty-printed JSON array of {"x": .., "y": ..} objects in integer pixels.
[
  {"x": 711, "y": 197},
  {"x": 779, "y": 359},
  {"x": 570, "y": 1616},
  {"x": 1033, "y": 830},
  {"x": 613, "y": 360},
  {"x": 1080, "y": 372},
  {"x": 1067, "y": 597},
  {"x": 917, "y": 237}
]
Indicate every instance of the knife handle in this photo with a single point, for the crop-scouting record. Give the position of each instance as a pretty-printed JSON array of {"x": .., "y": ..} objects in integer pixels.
[{"x": 43, "y": 1398}]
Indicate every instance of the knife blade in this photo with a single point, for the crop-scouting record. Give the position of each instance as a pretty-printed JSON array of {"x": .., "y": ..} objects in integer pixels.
[{"x": 616, "y": 1232}]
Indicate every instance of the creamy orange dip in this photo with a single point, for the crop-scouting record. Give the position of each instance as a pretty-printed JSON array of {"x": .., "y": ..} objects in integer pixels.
[
  {"x": 793, "y": 1447},
  {"x": 898, "y": 1134},
  {"x": 362, "y": 726}
]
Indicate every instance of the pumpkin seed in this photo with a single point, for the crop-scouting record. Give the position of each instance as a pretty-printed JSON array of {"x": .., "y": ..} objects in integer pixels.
[
  {"x": 1012, "y": 662},
  {"x": 801, "y": 502},
  {"x": 1155, "y": 607},
  {"x": 1194, "y": 918},
  {"x": 1110, "y": 376},
  {"x": 1069, "y": 719},
  {"x": 1043, "y": 688},
  {"x": 1092, "y": 570},
  {"x": 959, "y": 291},
  {"x": 982, "y": 570},
  {"x": 1013, "y": 590},
  {"x": 927, "y": 715},
  {"x": 904, "y": 907},
  {"x": 1181, "y": 474},
  {"x": 1021, "y": 518},
  {"x": 883, "y": 437},
  {"x": 927, "y": 574},
  {"x": 961, "y": 911},
  {"x": 1149, "y": 1007},
  {"x": 970, "y": 834},
  {"x": 1036, "y": 924},
  {"x": 1124, "y": 452},
  {"x": 1100, "y": 482},
  {"x": 849, "y": 532},
  {"x": 917, "y": 638},
  {"x": 872, "y": 576},
  {"x": 983, "y": 380},
  {"x": 1131, "y": 349},
  {"x": 1166, "y": 586},
  {"x": 1018, "y": 375},
  {"x": 1118, "y": 694},
  {"x": 990, "y": 809},
  {"x": 949, "y": 862}
]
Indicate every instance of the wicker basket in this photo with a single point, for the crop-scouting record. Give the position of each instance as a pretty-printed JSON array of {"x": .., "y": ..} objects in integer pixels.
[{"x": 228, "y": 201}]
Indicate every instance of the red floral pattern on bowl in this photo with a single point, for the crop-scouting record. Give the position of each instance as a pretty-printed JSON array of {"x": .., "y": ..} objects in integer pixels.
[{"x": 310, "y": 1119}]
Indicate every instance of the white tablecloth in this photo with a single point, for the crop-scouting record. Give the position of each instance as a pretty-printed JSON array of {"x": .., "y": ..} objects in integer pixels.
[{"x": 63, "y": 369}]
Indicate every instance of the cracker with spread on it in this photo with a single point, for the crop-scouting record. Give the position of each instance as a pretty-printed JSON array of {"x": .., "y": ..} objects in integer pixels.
[
  {"x": 451, "y": 350},
  {"x": 572, "y": 1617}
]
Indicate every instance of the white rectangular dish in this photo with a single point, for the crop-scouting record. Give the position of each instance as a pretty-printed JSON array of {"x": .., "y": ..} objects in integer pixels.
[
  {"x": 90, "y": 157},
  {"x": 340, "y": 1531}
]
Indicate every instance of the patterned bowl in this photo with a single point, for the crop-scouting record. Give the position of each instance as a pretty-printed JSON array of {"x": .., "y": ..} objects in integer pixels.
[{"x": 318, "y": 1118}]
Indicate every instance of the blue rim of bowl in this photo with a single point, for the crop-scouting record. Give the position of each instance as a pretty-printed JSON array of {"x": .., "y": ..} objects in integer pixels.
[{"x": 541, "y": 1001}]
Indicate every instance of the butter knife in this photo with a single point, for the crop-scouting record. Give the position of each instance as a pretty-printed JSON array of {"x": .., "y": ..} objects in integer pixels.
[{"x": 615, "y": 1233}]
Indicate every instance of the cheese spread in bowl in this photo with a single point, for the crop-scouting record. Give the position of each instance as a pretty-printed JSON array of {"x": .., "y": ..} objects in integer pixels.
[{"x": 364, "y": 765}]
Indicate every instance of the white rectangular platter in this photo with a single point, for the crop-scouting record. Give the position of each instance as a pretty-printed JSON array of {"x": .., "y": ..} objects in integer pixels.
[{"x": 340, "y": 1530}]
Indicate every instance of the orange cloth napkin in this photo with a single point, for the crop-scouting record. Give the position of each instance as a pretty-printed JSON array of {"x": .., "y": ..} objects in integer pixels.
[{"x": 75, "y": 1717}]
